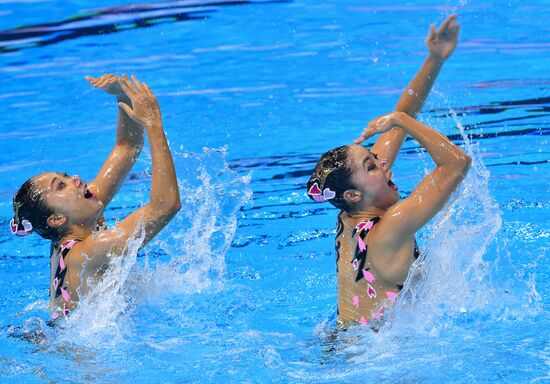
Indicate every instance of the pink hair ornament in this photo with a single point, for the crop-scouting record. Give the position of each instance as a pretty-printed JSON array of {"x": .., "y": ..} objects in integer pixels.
[
  {"x": 27, "y": 228},
  {"x": 320, "y": 196}
]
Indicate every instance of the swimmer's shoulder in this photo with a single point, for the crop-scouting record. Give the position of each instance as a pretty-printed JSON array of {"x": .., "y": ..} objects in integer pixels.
[
  {"x": 386, "y": 233},
  {"x": 89, "y": 249},
  {"x": 75, "y": 257},
  {"x": 390, "y": 253},
  {"x": 97, "y": 247}
]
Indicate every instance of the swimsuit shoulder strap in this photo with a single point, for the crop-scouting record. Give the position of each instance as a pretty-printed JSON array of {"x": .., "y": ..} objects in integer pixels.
[
  {"x": 360, "y": 232},
  {"x": 61, "y": 269},
  {"x": 59, "y": 278}
]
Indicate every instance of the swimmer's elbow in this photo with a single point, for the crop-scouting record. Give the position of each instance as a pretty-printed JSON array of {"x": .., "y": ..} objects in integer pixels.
[
  {"x": 464, "y": 163},
  {"x": 177, "y": 206},
  {"x": 460, "y": 163},
  {"x": 168, "y": 208}
]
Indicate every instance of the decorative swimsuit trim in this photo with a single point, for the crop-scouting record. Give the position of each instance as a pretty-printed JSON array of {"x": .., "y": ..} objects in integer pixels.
[
  {"x": 360, "y": 231},
  {"x": 59, "y": 278}
]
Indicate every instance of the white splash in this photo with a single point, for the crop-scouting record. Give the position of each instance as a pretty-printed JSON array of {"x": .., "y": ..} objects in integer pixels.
[
  {"x": 195, "y": 243},
  {"x": 454, "y": 276},
  {"x": 451, "y": 276}
]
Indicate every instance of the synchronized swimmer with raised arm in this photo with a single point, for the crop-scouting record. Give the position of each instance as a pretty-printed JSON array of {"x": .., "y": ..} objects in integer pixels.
[
  {"x": 65, "y": 210},
  {"x": 375, "y": 239}
]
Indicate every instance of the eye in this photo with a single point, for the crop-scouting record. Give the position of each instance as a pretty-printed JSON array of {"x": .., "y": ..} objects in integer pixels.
[
  {"x": 61, "y": 185},
  {"x": 371, "y": 167}
]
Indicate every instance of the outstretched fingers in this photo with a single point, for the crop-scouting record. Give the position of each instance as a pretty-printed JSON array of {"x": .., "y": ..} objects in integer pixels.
[
  {"x": 148, "y": 90},
  {"x": 139, "y": 85},
  {"x": 445, "y": 24},
  {"x": 128, "y": 87},
  {"x": 456, "y": 29},
  {"x": 432, "y": 34},
  {"x": 367, "y": 132},
  {"x": 101, "y": 82},
  {"x": 359, "y": 140},
  {"x": 94, "y": 81}
]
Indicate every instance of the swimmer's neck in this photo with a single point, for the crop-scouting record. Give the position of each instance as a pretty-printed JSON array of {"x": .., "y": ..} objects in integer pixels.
[
  {"x": 368, "y": 212},
  {"x": 76, "y": 232}
]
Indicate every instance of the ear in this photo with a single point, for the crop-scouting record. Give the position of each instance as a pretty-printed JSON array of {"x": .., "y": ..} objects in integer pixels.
[
  {"x": 353, "y": 195},
  {"x": 56, "y": 220}
]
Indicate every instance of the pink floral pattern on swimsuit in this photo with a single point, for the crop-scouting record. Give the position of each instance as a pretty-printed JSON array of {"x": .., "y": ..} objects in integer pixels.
[
  {"x": 57, "y": 282},
  {"x": 61, "y": 263},
  {"x": 364, "y": 225},
  {"x": 68, "y": 245},
  {"x": 65, "y": 295},
  {"x": 368, "y": 276},
  {"x": 371, "y": 292},
  {"x": 391, "y": 295},
  {"x": 361, "y": 244}
]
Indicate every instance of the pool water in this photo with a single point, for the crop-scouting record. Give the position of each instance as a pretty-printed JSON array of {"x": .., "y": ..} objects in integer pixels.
[{"x": 241, "y": 286}]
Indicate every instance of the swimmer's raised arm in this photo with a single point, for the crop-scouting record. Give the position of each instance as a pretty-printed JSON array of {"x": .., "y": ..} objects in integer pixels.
[
  {"x": 441, "y": 44},
  {"x": 164, "y": 197},
  {"x": 403, "y": 219},
  {"x": 128, "y": 145}
]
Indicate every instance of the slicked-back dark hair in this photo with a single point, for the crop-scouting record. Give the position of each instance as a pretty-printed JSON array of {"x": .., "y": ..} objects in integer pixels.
[
  {"x": 29, "y": 204},
  {"x": 333, "y": 171}
]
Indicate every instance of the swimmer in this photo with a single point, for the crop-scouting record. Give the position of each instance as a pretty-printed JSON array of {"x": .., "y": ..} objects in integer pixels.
[
  {"x": 375, "y": 236},
  {"x": 69, "y": 212}
]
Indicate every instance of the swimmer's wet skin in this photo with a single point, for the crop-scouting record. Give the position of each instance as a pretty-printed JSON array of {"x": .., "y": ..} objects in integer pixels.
[
  {"x": 375, "y": 238},
  {"x": 65, "y": 210}
]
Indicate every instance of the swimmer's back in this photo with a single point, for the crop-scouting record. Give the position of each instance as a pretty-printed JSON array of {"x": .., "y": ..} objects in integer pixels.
[{"x": 369, "y": 274}]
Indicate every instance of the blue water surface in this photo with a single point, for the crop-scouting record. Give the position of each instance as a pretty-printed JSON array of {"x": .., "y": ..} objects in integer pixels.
[{"x": 241, "y": 286}]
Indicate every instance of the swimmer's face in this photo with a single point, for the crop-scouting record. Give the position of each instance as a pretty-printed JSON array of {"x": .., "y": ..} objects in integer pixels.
[
  {"x": 371, "y": 179},
  {"x": 68, "y": 196}
]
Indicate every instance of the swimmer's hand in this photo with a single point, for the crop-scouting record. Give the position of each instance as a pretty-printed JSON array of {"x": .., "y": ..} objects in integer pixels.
[
  {"x": 442, "y": 42},
  {"x": 109, "y": 83},
  {"x": 145, "y": 109},
  {"x": 380, "y": 125}
]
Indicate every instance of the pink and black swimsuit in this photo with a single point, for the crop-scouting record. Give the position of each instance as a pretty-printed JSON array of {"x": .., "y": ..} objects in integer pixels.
[{"x": 58, "y": 288}]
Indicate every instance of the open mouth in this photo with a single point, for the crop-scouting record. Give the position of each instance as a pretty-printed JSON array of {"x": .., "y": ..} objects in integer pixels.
[
  {"x": 392, "y": 185},
  {"x": 87, "y": 193}
]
